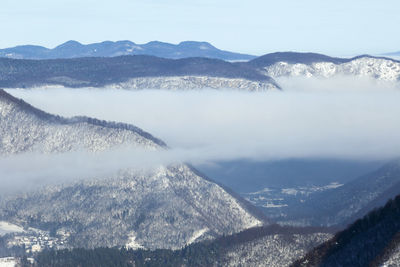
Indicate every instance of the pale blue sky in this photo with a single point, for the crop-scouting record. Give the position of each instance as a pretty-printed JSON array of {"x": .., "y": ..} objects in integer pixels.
[{"x": 254, "y": 26}]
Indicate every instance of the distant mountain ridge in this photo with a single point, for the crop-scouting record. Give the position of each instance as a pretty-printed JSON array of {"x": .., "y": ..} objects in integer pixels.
[
  {"x": 74, "y": 49},
  {"x": 307, "y": 58},
  {"x": 150, "y": 72},
  {"x": 133, "y": 72},
  {"x": 295, "y": 58}
]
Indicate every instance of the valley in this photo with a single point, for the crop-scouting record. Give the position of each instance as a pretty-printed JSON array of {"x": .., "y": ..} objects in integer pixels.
[{"x": 110, "y": 188}]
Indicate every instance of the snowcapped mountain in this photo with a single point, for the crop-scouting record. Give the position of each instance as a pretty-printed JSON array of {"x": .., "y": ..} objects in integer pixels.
[
  {"x": 26, "y": 129},
  {"x": 144, "y": 72},
  {"x": 168, "y": 207},
  {"x": 291, "y": 64},
  {"x": 74, "y": 49},
  {"x": 165, "y": 207}
]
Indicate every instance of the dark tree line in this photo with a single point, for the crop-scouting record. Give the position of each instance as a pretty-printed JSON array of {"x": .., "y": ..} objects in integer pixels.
[{"x": 206, "y": 253}]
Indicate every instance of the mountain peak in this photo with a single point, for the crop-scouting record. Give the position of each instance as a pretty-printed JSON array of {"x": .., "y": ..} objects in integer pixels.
[
  {"x": 70, "y": 44},
  {"x": 195, "y": 44},
  {"x": 294, "y": 58}
]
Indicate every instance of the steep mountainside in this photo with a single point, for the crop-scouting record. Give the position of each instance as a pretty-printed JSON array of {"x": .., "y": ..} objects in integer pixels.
[
  {"x": 165, "y": 207},
  {"x": 248, "y": 176},
  {"x": 132, "y": 72},
  {"x": 316, "y": 65},
  {"x": 74, "y": 49},
  {"x": 282, "y": 188},
  {"x": 367, "y": 242},
  {"x": 25, "y": 129},
  {"x": 352, "y": 200}
]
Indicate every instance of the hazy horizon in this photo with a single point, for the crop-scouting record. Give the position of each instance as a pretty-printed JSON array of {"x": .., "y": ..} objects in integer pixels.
[{"x": 256, "y": 27}]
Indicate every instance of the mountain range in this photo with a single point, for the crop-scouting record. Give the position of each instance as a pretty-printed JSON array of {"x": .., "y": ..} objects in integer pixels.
[
  {"x": 164, "y": 206},
  {"x": 132, "y": 72},
  {"x": 163, "y": 212},
  {"x": 292, "y": 64},
  {"x": 74, "y": 49},
  {"x": 144, "y": 72}
]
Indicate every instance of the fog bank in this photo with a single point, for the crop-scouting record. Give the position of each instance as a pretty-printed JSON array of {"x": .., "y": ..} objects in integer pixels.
[
  {"x": 300, "y": 122},
  {"x": 343, "y": 119}
]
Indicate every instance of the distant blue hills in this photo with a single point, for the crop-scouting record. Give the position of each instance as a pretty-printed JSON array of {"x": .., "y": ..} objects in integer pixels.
[{"x": 74, "y": 49}]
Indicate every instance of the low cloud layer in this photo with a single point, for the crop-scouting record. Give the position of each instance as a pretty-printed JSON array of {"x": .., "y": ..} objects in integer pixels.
[{"x": 348, "y": 119}]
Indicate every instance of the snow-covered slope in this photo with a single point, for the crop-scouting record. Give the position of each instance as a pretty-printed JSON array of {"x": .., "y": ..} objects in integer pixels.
[
  {"x": 166, "y": 207},
  {"x": 394, "y": 258},
  {"x": 194, "y": 82},
  {"x": 378, "y": 68},
  {"x": 274, "y": 250},
  {"x": 24, "y": 128},
  {"x": 315, "y": 65}
]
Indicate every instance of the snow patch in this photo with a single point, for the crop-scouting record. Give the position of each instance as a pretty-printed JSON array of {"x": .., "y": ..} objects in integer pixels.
[
  {"x": 6, "y": 228},
  {"x": 8, "y": 262},
  {"x": 133, "y": 244},
  {"x": 196, "y": 235},
  {"x": 272, "y": 205}
]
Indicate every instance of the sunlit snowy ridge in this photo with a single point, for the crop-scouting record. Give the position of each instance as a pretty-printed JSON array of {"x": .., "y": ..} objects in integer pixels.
[{"x": 383, "y": 69}]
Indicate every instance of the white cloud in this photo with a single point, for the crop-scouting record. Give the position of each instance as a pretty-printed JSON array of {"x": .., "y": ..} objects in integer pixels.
[
  {"x": 351, "y": 120},
  {"x": 333, "y": 122}
]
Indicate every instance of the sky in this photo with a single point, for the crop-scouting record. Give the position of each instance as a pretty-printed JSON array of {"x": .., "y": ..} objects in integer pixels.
[{"x": 340, "y": 28}]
